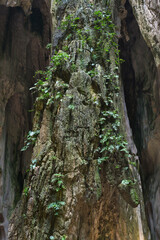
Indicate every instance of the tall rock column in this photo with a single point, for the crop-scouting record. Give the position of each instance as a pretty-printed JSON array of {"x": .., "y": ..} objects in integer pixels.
[
  {"x": 147, "y": 15},
  {"x": 82, "y": 181}
]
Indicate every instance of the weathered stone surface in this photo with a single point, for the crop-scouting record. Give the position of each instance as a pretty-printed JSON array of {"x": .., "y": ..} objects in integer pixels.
[
  {"x": 140, "y": 74},
  {"x": 25, "y": 4},
  {"x": 147, "y": 14},
  {"x": 22, "y": 51},
  {"x": 96, "y": 207}
]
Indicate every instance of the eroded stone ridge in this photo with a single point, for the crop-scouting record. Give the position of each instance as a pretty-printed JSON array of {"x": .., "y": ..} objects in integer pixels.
[
  {"x": 147, "y": 14},
  {"x": 93, "y": 204}
]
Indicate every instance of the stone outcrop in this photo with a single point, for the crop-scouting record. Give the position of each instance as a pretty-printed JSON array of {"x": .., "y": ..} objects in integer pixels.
[
  {"x": 67, "y": 194},
  {"x": 147, "y": 14},
  {"x": 67, "y": 184}
]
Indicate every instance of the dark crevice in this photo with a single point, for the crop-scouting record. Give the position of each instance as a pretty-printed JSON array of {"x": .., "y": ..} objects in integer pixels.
[
  {"x": 22, "y": 52},
  {"x": 2, "y": 233},
  {"x": 1, "y": 218},
  {"x": 7, "y": 16},
  {"x": 36, "y": 21},
  {"x": 139, "y": 76},
  {"x": 137, "y": 73}
]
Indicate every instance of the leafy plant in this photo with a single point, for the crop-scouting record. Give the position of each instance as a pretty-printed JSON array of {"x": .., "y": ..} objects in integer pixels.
[
  {"x": 42, "y": 84},
  {"x": 25, "y": 191},
  {"x": 56, "y": 206},
  {"x": 126, "y": 182},
  {"x": 59, "y": 59},
  {"x": 134, "y": 196},
  {"x": 74, "y": 67},
  {"x": 70, "y": 22},
  {"x": 31, "y": 139},
  {"x": 43, "y": 78},
  {"x": 92, "y": 73},
  {"x": 71, "y": 107},
  {"x": 33, "y": 164},
  {"x": 58, "y": 181},
  {"x": 64, "y": 237},
  {"x": 49, "y": 46}
]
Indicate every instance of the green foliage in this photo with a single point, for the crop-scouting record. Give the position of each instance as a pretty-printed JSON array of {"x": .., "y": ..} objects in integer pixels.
[
  {"x": 130, "y": 184},
  {"x": 58, "y": 95},
  {"x": 42, "y": 84},
  {"x": 134, "y": 196},
  {"x": 58, "y": 181},
  {"x": 49, "y": 46},
  {"x": 44, "y": 78},
  {"x": 127, "y": 182},
  {"x": 59, "y": 59},
  {"x": 70, "y": 22},
  {"x": 56, "y": 206},
  {"x": 33, "y": 164},
  {"x": 92, "y": 72},
  {"x": 71, "y": 107},
  {"x": 31, "y": 139},
  {"x": 74, "y": 67},
  {"x": 25, "y": 191},
  {"x": 112, "y": 142},
  {"x": 105, "y": 33},
  {"x": 63, "y": 237}
]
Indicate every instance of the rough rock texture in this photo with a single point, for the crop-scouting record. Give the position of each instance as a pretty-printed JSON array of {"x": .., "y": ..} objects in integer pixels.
[
  {"x": 147, "y": 14},
  {"x": 22, "y": 51},
  {"x": 67, "y": 194},
  {"x": 141, "y": 78},
  {"x": 25, "y": 4}
]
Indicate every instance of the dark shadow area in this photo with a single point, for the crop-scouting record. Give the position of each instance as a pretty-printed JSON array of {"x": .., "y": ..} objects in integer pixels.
[
  {"x": 1, "y": 218},
  {"x": 138, "y": 72},
  {"x": 2, "y": 233},
  {"x": 139, "y": 77},
  {"x": 22, "y": 52},
  {"x": 36, "y": 21}
]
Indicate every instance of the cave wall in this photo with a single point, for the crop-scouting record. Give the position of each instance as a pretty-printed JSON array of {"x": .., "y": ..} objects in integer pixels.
[
  {"x": 96, "y": 205},
  {"x": 22, "y": 52},
  {"x": 140, "y": 74},
  {"x": 147, "y": 15}
]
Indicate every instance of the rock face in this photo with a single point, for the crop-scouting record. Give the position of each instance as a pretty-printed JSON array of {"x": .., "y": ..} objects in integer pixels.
[
  {"x": 68, "y": 194},
  {"x": 22, "y": 51},
  {"x": 82, "y": 180},
  {"x": 26, "y": 5},
  {"x": 147, "y": 15},
  {"x": 141, "y": 73}
]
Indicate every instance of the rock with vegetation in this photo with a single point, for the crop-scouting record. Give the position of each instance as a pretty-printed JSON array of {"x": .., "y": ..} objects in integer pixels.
[
  {"x": 80, "y": 168},
  {"x": 81, "y": 172}
]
